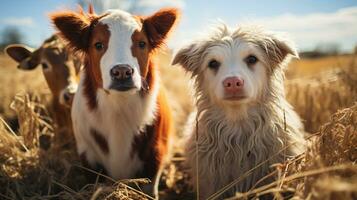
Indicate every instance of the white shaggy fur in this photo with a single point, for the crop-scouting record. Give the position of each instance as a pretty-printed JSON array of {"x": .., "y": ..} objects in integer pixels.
[{"x": 236, "y": 136}]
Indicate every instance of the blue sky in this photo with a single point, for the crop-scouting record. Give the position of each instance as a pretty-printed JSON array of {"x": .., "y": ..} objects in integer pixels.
[{"x": 307, "y": 22}]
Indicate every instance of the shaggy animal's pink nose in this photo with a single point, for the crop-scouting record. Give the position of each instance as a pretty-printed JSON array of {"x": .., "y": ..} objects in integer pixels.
[{"x": 233, "y": 84}]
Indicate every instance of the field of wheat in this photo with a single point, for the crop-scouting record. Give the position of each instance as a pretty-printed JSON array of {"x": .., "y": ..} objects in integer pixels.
[{"x": 323, "y": 91}]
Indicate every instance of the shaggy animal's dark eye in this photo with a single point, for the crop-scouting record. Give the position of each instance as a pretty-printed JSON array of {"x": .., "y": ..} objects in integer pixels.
[
  {"x": 214, "y": 64},
  {"x": 251, "y": 60},
  {"x": 142, "y": 44},
  {"x": 99, "y": 46}
]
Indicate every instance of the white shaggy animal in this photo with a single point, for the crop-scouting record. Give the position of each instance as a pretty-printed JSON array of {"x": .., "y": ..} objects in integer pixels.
[{"x": 238, "y": 77}]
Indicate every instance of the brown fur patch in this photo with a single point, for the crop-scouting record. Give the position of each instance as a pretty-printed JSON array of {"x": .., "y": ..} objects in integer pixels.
[
  {"x": 100, "y": 140},
  {"x": 93, "y": 76},
  {"x": 62, "y": 118},
  {"x": 153, "y": 143},
  {"x": 62, "y": 69},
  {"x": 82, "y": 32},
  {"x": 101, "y": 34},
  {"x": 142, "y": 54},
  {"x": 154, "y": 31}
]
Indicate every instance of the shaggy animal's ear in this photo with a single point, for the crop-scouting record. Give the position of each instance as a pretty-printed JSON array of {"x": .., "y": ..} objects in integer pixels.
[
  {"x": 158, "y": 25},
  {"x": 182, "y": 56},
  {"x": 189, "y": 57},
  {"x": 23, "y": 55},
  {"x": 286, "y": 47},
  {"x": 278, "y": 49},
  {"x": 73, "y": 27}
]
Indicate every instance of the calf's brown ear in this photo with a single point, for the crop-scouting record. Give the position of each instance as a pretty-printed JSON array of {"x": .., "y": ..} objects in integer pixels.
[
  {"x": 73, "y": 27},
  {"x": 18, "y": 52},
  {"x": 25, "y": 56},
  {"x": 158, "y": 25}
]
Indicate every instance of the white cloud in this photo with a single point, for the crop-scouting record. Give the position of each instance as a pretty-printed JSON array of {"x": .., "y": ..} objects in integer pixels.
[
  {"x": 158, "y": 3},
  {"x": 312, "y": 29},
  {"x": 14, "y": 21},
  {"x": 103, "y": 5}
]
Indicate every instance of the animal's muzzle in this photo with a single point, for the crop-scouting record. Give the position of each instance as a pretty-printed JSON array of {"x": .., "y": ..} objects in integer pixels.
[
  {"x": 122, "y": 77},
  {"x": 67, "y": 95},
  {"x": 233, "y": 88}
]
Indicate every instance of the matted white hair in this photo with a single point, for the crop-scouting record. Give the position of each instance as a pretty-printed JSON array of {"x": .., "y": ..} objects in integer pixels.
[{"x": 232, "y": 139}]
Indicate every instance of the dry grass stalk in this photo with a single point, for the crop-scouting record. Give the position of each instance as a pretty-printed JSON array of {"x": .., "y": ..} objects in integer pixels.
[
  {"x": 327, "y": 170},
  {"x": 335, "y": 145},
  {"x": 317, "y": 98},
  {"x": 30, "y": 171}
]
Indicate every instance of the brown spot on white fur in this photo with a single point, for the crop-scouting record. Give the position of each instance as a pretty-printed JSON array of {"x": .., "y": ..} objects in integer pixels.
[{"x": 100, "y": 140}]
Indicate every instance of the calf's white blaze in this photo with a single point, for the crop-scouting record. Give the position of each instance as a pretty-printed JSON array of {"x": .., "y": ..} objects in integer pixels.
[{"x": 121, "y": 26}]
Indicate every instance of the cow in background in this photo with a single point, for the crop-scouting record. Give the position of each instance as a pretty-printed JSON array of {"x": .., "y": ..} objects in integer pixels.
[{"x": 61, "y": 69}]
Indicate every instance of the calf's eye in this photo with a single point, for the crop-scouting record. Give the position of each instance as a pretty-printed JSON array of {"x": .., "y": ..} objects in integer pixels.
[
  {"x": 142, "y": 44},
  {"x": 44, "y": 66},
  {"x": 214, "y": 64},
  {"x": 251, "y": 60},
  {"x": 99, "y": 46}
]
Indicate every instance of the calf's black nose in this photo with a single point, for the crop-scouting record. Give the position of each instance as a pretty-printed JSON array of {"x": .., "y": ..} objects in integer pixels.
[{"x": 121, "y": 72}]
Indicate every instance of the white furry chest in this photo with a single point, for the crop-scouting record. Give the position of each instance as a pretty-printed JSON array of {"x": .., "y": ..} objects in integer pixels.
[
  {"x": 227, "y": 151},
  {"x": 119, "y": 131},
  {"x": 118, "y": 119}
]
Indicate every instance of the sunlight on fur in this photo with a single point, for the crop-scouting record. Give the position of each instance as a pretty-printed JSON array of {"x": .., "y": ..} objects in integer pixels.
[{"x": 236, "y": 135}]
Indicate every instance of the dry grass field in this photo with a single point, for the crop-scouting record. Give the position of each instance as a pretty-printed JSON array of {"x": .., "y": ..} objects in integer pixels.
[{"x": 323, "y": 91}]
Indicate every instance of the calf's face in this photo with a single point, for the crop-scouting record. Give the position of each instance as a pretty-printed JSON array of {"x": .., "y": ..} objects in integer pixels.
[
  {"x": 234, "y": 67},
  {"x": 117, "y": 45},
  {"x": 59, "y": 68}
]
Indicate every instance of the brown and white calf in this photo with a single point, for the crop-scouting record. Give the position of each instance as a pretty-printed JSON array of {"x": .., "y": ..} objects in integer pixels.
[
  {"x": 120, "y": 114},
  {"x": 60, "y": 69},
  {"x": 243, "y": 117}
]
